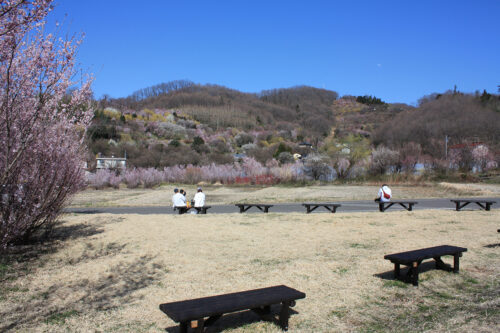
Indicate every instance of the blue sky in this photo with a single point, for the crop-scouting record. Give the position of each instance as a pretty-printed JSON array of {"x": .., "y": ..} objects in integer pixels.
[{"x": 395, "y": 50}]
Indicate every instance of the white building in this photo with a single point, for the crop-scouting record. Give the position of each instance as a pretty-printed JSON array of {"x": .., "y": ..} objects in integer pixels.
[{"x": 111, "y": 162}]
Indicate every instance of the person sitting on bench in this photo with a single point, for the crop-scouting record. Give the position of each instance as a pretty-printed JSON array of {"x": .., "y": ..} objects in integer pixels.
[
  {"x": 176, "y": 191},
  {"x": 384, "y": 194},
  {"x": 178, "y": 200},
  {"x": 199, "y": 199}
]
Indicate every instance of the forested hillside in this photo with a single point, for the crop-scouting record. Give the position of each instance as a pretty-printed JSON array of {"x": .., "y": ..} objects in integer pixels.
[
  {"x": 219, "y": 107},
  {"x": 181, "y": 123}
]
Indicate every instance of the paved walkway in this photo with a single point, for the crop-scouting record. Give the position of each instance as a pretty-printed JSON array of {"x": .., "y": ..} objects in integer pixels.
[{"x": 347, "y": 206}]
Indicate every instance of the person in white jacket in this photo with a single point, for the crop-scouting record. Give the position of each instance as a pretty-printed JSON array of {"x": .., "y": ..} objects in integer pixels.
[
  {"x": 178, "y": 200},
  {"x": 384, "y": 194},
  {"x": 199, "y": 198}
]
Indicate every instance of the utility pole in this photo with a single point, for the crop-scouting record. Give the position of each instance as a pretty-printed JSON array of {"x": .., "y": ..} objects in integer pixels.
[{"x": 446, "y": 147}]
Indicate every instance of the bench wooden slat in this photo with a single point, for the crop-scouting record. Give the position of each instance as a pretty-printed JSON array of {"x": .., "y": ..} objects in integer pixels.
[
  {"x": 473, "y": 200},
  {"x": 321, "y": 203},
  {"x": 402, "y": 201},
  {"x": 216, "y": 305}
]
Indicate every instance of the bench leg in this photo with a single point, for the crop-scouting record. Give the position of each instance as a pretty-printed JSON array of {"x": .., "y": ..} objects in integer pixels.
[
  {"x": 266, "y": 209},
  {"x": 183, "y": 327},
  {"x": 441, "y": 265},
  {"x": 397, "y": 270},
  {"x": 313, "y": 208},
  {"x": 410, "y": 207},
  {"x": 486, "y": 205},
  {"x": 456, "y": 262},
  {"x": 459, "y": 207},
  {"x": 381, "y": 207},
  {"x": 284, "y": 314},
  {"x": 413, "y": 272},
  {"x": 199, "y": 326}
]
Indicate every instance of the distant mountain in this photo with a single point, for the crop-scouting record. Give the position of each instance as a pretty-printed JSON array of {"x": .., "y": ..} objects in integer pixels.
[{"x": 306, "y": 109}]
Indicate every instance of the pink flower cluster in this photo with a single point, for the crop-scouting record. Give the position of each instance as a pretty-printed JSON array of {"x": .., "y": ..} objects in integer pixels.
[{"x": 249, "y": 171}]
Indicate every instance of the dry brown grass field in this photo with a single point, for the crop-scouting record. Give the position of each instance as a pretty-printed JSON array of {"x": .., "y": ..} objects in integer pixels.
[
  {"x": 109, "y": 273},
  {"x": 219, "y": 195}
]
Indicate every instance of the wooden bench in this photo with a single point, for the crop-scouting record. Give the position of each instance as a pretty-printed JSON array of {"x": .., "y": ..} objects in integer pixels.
[
  {"x": 181, "y": 209},
  {"x": 332, "y": 207},
  {"x": 408, "y": 205},
  {"x": 200, "y": 210},
  {"x": 484, "y": 204},
  {"x": 245, "y": 207},
  {"x": 413, "y": 259},
  {"x": 258, "y": 300}
]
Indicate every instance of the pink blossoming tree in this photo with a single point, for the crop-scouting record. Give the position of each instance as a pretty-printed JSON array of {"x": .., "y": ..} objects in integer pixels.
[{"x": 42, "y": 124}]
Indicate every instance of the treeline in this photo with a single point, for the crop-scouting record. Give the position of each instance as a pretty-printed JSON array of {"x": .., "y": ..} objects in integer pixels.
[
  {"x": 370, "y": 100},
  {"x": 456, "y": 117},
  {"x": 161, "y": 89}
]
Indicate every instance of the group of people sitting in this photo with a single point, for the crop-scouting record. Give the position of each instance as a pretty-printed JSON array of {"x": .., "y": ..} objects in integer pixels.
[{"x": 179, "y": 200}]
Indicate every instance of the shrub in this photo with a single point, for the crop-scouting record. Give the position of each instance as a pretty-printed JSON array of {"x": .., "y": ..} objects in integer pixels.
[
  {"x": 281, "y": 149},
  {"x": 285, "y": 158},
  {"x": 169, "y": 130},
  {"x": 243, "y": 138},
  {"x": 132, "y": 178},
  {"x": 100, "y": 179},
  {"x": 115, "y": 181},
  {"x": 174, "y": 174},
  {"x": 317, "y": 167},
  {"x": 224, "y": 173},
  {"x": 192, "y": 175},
  {"x": 197, "y": 141},
  {"x": 151, "y": 177},
  {"x": 483, "y": 158},
  {"x": 249, "y": 146},
  {"x": 174, "y": 143},
  {"x": 251, "y": 167},
  {"x": 382, "y": 159}
]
